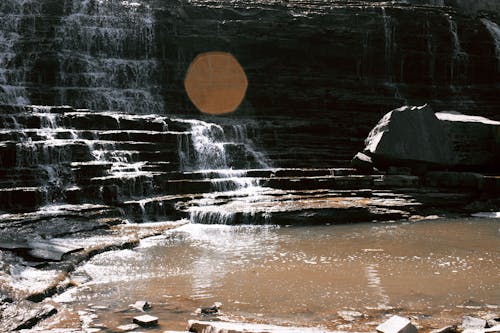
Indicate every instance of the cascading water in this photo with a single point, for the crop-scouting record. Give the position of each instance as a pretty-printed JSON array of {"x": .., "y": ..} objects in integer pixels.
[
  {"x": 210, "y": 144},
  {"x": 48, "y": 153},
  {"x": 14, "y": 14},
  {"x": 494, "y": 30},
  {"x": 107, "y": 57},
  {"x": 226, "y": 154}
]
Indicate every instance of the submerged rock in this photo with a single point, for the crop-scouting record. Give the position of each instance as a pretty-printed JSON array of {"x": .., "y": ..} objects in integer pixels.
[
  {"x": 222, "y": 327},
  {"x": 24, "y": 315},
  {"x": 128, "y": 327},
  {"x": 446, "y": 329}
]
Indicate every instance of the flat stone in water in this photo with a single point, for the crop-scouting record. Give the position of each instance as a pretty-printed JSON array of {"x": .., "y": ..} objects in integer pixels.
[
  {"x": 397, "y": 324},
  {"x": 146, "y": 320},
  {"x": 473, "y": 323},
  {"x": 128, "y": 327}
]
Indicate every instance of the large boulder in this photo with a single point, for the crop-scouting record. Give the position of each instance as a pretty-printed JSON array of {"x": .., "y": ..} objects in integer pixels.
[
  {"x": 418, "y": 138},
  {"x": 475, "y": 141},
  {"x": 409, "y": 136}
]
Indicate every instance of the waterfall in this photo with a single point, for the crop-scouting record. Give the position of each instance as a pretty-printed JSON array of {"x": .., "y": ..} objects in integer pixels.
[
  {"x": 107, "y": 57},
  {"x": 389, "y": 47},
  {"x": 13, "y": 16},
  {"x": 47, "y": 153},
  {"x": 222, "y": 154},
  {"x": 459, "y": 57},
  {"x": 431, "y": 51},
  {"x": 494, "y": 30},
  {"x": 210, "y": 144}
]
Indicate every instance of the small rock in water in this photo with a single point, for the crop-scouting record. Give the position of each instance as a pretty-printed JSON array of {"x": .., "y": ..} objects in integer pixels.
[
  {"x": 100, "y": 307},
  {"x": 128, "y": 327},
  {"x": 210, "y": 310},
  {"x": 446, "y": 329},
  {"x": 397, "y": 324},
  {"x": 141, "y": 305},
  {"x": 349, "y": 315},
  {"x": 146, "y": 320},
  {"x": 473, "y": 323}
]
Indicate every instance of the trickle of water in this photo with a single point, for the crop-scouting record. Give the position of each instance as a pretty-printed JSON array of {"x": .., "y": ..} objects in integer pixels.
[
  {"x": 494, "y": 30},
  {"x": 389, "y": 44},
  {"x": 459, "y": 58},
  {"x": 107, "y": 57}
]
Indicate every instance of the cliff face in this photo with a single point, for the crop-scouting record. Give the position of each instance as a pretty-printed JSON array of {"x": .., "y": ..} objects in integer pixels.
[{"x": 320, "y": 74}]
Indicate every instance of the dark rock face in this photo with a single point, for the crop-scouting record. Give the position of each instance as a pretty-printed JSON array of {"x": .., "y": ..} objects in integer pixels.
[
  {"x": 407, "y": 135},
  {"x": 320, "y": 73},
  {"x": 417, "y": 138},
  {"x": 475, "y": 141}
]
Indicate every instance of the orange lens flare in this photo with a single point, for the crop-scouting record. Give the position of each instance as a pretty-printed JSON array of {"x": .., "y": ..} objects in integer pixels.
[{"x": 216, "y": 83}]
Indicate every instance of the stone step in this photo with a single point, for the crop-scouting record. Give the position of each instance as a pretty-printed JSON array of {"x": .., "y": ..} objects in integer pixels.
[
  {"x": 90, "y": 169},
  {"x": 29, "y": 135},
  {"x": 22, "y": 199},
  {"x": 66, "y": 117},
  {"x": 296, "y": 208},
  {"x": 164, "y": 137},
  {"x": 159, "y": 208},
  {"x": 130, "y": 145},
  {"x": 57, "y": 152},
  {"x": 23, "y": 177},
  {"x": 116, "y": 121},
  {"x": 159, "y": 166},
  {"x": 57, "y": 219},
  {"x": 8, "y": 158},
  {"x": 320, "y": 182}
]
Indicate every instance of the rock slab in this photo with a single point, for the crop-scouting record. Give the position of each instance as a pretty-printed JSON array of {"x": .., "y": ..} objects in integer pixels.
[
  {"x": 397, "y": 324},
  {"x": 24, "y": 315},
  {"x": 146, "y": 320}
]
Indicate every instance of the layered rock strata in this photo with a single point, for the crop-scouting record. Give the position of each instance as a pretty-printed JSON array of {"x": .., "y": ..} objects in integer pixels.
[{"x": 320, "y": 74}]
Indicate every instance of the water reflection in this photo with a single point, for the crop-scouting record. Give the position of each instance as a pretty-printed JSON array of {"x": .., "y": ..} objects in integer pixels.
[
  {"x": 301, "y": 275},
  {"x": 220, "y": 249}
]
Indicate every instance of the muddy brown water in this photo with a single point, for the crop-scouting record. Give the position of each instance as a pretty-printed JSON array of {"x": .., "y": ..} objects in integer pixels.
[{"x": 433, "y": 270}]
